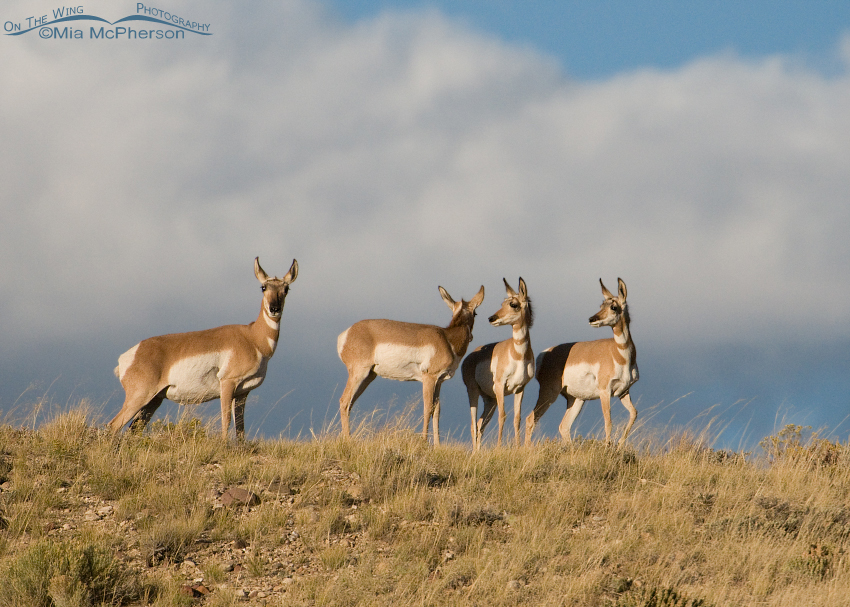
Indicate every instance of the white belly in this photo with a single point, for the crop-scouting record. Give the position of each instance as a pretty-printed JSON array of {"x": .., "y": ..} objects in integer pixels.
[
  {"x": 404, "y": 363},
  {"x": 197, "y": 379},
  {"x": 581, "y": 380}
]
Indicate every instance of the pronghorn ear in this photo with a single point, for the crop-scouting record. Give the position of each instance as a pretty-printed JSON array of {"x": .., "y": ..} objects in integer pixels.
[
  {"x": 508, "y": 288},
  {"x": 605, "y": 292},
  {"x": 258, "y": 271},
  {"x": 479, "y": 297},
  {"x": 447, "y": 298},
  {"x": 523, "y": 290},
  {"x": 622, "y": 289},
  {"x": 292, "y": 274}
]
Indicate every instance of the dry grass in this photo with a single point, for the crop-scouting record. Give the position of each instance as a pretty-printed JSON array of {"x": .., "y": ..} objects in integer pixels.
[{"x": 385, "y": 519}]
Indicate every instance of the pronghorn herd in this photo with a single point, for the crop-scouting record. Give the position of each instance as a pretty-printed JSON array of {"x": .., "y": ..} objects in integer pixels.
[{"x": 228, "y": 362}]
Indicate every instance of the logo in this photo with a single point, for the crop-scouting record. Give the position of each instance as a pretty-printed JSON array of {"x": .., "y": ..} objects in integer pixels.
[{"x": 146, "y": 24}]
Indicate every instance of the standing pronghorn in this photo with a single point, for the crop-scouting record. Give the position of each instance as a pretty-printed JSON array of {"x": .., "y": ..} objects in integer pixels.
[
  {"x": 406, "y": 352},
  {"x": 590, "y": 369},
  {"x": 494, "y": 370},
  {"x": 189, "y": 368}
]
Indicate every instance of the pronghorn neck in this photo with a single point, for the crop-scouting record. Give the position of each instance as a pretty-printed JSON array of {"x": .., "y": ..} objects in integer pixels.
[
  {"x": 266, "y": 332},
  {"x": 520, "y": 337},
  {"x": 459, "y": 337},
  {"x": 622, "y": 335}
]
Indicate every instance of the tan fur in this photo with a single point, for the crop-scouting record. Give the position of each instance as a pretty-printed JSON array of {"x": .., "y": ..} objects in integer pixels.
[
  {"x": 226, "y": 362},
  {"x": 497, "y": 369},
  {"x": 589, "y": 370},
  {"x": 406, "y": 352}
]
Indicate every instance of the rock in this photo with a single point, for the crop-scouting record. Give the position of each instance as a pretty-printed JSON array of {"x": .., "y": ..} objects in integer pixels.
[
  {"x": 105, "y": 510},
  {"x": 280, "y": 488},
  {"x": 237, "y": 496},
  {"x": 187, "y": 591},
  {"x": 514, "y": 585}
]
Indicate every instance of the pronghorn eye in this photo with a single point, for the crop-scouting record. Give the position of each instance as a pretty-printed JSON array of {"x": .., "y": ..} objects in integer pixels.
[
  {"x": 514, "y": 305},
  {"x": 263, "y": 288}
]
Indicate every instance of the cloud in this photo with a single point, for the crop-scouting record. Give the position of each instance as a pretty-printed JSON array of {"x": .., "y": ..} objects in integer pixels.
[{"x": 403, "y": 152}]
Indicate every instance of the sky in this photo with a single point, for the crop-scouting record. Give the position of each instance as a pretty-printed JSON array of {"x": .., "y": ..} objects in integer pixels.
[{"x": 701, "y": 154}]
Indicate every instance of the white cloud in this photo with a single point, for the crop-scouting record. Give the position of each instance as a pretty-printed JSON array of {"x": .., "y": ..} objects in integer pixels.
[{"x": 401, "y": 153}]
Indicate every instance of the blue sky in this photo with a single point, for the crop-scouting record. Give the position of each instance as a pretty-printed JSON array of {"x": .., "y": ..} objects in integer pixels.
[
  {"x": 594, "y": 40},
  {"x": 703, "y": 155}
]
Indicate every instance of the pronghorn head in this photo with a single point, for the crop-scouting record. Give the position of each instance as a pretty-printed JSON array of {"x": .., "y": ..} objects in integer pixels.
[
  {"x": 515, "y": 307},
  {"x": 274, "y": 289},
  {"x": 613, "y": 308},
  {"x": 463, "y": 312}
]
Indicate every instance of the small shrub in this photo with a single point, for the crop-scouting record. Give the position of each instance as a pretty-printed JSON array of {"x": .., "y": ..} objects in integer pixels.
[
  {"x": 52, "y": 574},
  {"x": 659, "y": 597},
  {"x": 789, "y": 446}
]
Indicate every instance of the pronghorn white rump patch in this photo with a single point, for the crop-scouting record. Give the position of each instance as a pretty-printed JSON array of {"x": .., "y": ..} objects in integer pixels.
[
  {"x": 340, "y": 342},
  {"x": 125, "y": 360},
  {"x": 401, "y": 362}
]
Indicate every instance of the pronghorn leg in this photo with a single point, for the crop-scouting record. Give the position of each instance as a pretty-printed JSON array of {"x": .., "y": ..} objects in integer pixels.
[
  {"x": 429, "y": 385},
  {"x": 500, "y": 403},
  {"x": 517, "y": 415},
  {"x": 437, "y": 412},
  {"x": 145, "y": 414},
  {"x": 486, "y": 415},
  {"x": 228, "y": 386},
  {"x": 358, "y": 380},
  {"x": 239, "y": 416},
  {"x": 574, "y": 406},
  {"x": 605, "y": 401},
  {"x": 627, "y": 403},
  {"x": 473, "y": 392},
  {"x": 544, "y": 400},
  {"x": 133, "y": 404}
]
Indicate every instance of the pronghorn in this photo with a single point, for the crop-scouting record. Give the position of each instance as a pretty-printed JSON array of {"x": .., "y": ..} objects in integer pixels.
[
  {"x": 189, "y": 368},
  {"x": 494, "y": 370},
  {"x": 406, "y": 352},
  {"x": 590, "y": 369}
]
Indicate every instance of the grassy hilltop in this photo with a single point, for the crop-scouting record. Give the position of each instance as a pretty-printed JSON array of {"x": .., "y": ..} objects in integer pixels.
[{"x": 384, "y": 519}]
